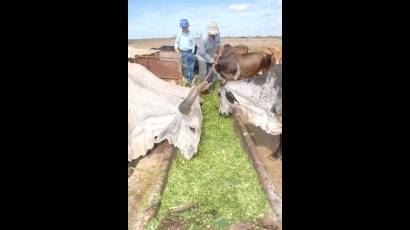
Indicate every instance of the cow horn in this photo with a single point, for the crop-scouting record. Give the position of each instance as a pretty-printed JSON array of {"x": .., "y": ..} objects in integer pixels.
[
  {"x": 204, "y": 83},
  {"x": 193, "y": 80},
  {"x": 186, "y": 104},
  {"x": 238, "y": 72},
  {"x": 209, "y": 73},
  {"x": 218, "y": 76},
  {"x": 206, "y": 86}
]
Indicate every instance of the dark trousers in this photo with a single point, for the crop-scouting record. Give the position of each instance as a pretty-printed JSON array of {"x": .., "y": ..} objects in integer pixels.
[{"x": 188, "y": 60}]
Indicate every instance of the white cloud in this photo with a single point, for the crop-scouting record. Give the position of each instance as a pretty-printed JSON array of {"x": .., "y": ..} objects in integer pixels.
[
  {"x": 266, "y": 19},
  {"x": 239, "y": 7}
]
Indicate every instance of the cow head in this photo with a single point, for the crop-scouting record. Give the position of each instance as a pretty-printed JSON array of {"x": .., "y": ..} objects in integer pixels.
[
  {"x": 276, "y": 55},
  {"x": 258, "y": 98},
  {"x": 222, "y": 80},
  {"x": 224, "y": 50},
  {"x": 184, "y": 130},
  {"x": 226, "y": 101}
]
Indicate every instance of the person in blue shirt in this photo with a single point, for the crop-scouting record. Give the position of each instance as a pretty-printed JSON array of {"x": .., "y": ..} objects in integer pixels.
[
  {"x": 210, "y": 42},
  {"x": 185, "y": 44}
]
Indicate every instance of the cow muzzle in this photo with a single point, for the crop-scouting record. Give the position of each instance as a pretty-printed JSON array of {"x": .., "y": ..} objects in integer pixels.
[
  {"x": 225, "y": 114},
  {"x": 189, "y": 153}
]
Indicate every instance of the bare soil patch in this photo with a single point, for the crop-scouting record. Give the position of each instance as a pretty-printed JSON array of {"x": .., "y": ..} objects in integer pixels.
[{"x": 252, "y": 42}]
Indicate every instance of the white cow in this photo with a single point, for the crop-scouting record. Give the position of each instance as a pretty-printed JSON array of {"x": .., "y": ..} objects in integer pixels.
[{"x": 158, "y": 110}]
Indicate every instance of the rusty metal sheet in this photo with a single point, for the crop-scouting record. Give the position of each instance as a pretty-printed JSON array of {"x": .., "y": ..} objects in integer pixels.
[
  {"x": 169, "y": 55},
  {"x": 165, "y": 69}
]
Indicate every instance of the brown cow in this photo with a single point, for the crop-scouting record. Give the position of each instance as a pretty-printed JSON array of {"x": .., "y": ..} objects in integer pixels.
[
  {"x": 241, "y": 49},
  {"x": 277, "y": 55},
  {"x": 228, "y": 60}
]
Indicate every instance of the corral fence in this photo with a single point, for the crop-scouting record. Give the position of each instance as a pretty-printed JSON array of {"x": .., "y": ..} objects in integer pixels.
[{"x": 162, "y": 62}]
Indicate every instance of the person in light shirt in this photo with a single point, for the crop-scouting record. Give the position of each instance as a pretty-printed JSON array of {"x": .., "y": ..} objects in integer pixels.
[{"x": 185, "y": 44}]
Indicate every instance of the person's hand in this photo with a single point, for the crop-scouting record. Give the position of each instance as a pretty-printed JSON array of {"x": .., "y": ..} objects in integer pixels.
[{"x": 177, "y": 50}]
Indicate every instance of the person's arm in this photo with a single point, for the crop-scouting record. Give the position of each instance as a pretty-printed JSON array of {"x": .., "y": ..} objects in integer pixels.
[
  {"x": 202, "y": 50},
  {"x": 177, "y": 43}
]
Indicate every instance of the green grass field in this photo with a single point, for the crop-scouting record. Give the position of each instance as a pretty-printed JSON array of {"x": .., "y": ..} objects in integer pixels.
[{"x": 219, "y": 178}]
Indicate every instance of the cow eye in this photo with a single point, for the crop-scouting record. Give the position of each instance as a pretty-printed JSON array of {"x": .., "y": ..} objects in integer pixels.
[{"x": 192, "y": 129}]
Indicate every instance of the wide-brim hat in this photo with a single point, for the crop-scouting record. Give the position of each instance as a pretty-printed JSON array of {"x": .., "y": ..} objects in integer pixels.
[{"x": 213, "y": 28}]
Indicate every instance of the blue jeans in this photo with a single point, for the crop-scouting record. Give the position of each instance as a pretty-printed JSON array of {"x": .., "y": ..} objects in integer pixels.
[{"x": 188, "y": 59}]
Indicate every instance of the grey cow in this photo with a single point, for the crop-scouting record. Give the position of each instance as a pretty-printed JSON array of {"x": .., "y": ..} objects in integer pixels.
[{"x": 259, "y": 98}]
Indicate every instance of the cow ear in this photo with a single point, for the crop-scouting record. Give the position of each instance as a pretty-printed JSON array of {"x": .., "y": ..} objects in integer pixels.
[{"x": 171, "y": 128}]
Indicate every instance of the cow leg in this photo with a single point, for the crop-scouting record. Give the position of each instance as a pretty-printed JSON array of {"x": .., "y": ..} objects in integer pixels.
[{"x": 278, "y": 153}]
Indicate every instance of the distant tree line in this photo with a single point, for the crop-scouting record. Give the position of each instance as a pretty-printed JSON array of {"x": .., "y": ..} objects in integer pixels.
[{"x": 197, "y": 37}]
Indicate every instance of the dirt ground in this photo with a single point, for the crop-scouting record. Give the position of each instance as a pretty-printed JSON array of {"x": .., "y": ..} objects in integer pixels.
[
  {"x": 253, "y": 43},
  {"x": 143, "y": 173},
  {"x": 265, "y": 144}
]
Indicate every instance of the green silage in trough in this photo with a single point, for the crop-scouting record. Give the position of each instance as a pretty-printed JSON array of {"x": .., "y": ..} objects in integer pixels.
[{"x": 220, "y": 179}]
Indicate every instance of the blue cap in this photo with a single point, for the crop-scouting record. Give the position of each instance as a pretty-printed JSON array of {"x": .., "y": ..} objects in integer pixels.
[{"x": 183, "y": 23}]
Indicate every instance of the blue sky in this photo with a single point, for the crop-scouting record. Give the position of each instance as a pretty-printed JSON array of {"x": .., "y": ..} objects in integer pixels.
[{"x": 160, "y": 18}]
